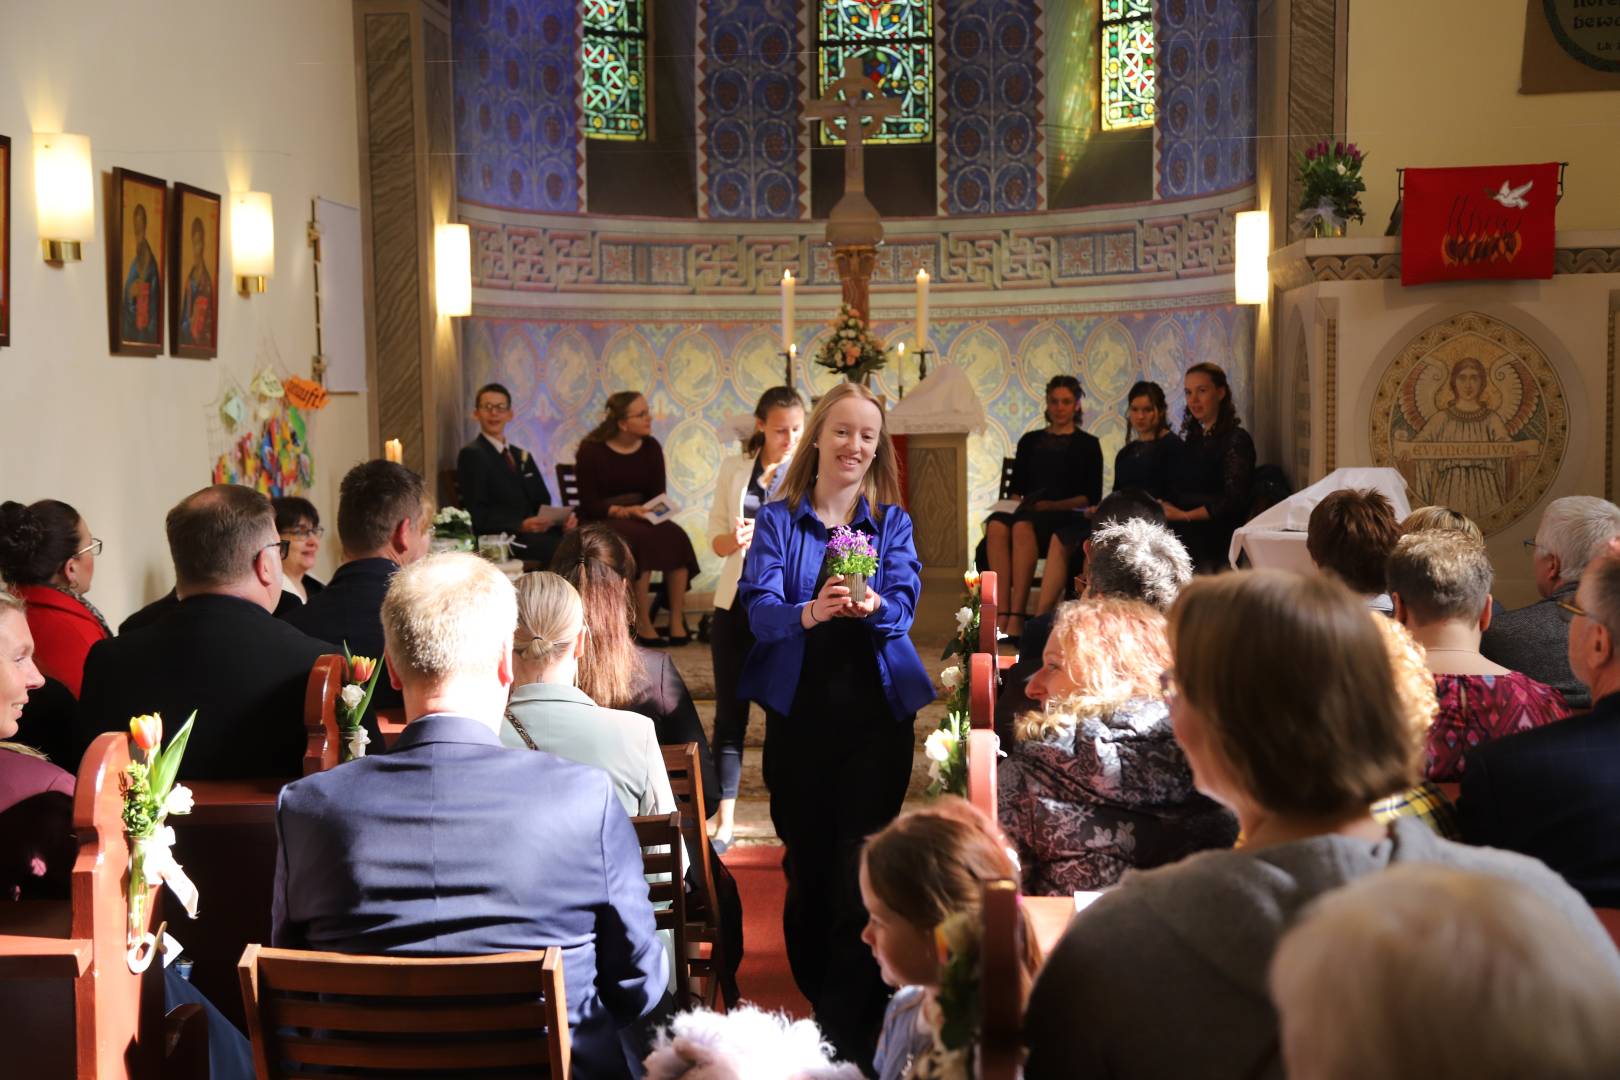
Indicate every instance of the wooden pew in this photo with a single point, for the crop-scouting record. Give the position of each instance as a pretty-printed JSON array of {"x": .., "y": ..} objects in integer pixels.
[
  {"x": 983, "y": 748},
  {"x": 705, "y": 949},
  {"x": 989, "y": 608},
  {"x": 69, "y": 1005},
  {"x": 983, "y": 685},
  {"x": 1000, "y": 996},
  {"x": 228, "y": 848}
]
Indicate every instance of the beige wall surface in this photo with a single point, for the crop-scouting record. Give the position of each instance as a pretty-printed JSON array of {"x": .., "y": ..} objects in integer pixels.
[
  {"x": 1436, "y": 83},
  {"x": 223, "y": 96}
]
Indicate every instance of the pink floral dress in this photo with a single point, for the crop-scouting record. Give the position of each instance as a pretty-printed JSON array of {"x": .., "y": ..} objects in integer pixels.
[{"x": 1474, "y": 709}]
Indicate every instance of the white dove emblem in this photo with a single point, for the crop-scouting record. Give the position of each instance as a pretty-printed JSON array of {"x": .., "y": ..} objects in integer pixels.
[{"x": 1513, "y": 197}]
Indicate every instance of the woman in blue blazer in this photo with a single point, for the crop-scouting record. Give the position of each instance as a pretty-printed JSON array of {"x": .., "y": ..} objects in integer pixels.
[{"x": 840, "y": 683}]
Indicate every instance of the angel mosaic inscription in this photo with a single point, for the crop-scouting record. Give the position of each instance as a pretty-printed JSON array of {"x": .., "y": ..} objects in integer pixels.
[{"x": 1472, "y": 414}]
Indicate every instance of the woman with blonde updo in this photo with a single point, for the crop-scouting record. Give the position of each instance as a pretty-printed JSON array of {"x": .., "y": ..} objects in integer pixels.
[{"x": 549, "y": 712}]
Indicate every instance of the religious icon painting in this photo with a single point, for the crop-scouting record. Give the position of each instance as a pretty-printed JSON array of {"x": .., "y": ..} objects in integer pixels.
[
  {"x": 136, "y": 239},
  {"x": 5, "y": 240},
  {"x": 194, "y": 273}
]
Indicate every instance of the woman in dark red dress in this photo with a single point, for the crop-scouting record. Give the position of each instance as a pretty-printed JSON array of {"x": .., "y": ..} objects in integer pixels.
[{"x": 620, "y": 466}]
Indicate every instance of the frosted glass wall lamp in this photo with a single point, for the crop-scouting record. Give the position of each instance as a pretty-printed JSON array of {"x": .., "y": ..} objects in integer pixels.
[
  {"x": 1251, "y": 278},
  {"x": 452, "y": 269},
  {"x": 253, "y": 240},
  {"x": 64, "y": 195}
]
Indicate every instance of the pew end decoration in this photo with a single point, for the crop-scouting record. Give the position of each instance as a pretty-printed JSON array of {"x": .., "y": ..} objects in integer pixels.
[
  {"x": 851, "y": 351},
  {"x": 850, "y": 553},
  {"x": 359, "y": 683},
  {"x": 150, "y": 796},
  {"x": 953, "y": 1015},
  {"x": 946, "y": 746}
]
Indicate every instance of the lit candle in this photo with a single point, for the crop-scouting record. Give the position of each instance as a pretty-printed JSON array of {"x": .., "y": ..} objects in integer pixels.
[
  {"x": 394, "y": 451},
  {"x": 787, "y": 310},
  {"x": 922, "y": 309}
]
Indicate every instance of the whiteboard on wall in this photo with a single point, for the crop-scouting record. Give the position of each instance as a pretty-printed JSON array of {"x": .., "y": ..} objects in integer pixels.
[{"x": 342, "y": 297}]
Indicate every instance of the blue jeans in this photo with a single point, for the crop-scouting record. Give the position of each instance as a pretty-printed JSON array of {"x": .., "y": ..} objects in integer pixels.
[{"x": 730, "y": 642}]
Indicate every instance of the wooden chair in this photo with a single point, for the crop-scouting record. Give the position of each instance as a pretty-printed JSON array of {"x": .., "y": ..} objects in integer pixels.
[
  {"x": 1005, "y": 489},
  {"x": 660, "y": 838},
  {"x": 69, "y": 1005},
  {"x": 1000, "y": 998},
  {"x": 330, "y": 1015},
  {"x": 983, "y": 748},
  {"x": 705, "y": 957},
  {"x": 567, "y": 484},
  {"x": 228, "y": 846}
]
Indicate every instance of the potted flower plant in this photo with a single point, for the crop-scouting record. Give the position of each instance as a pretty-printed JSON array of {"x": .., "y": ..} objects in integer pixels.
[
  {"x": 851, "y": 351},
  {"x": 1331, "y": 179},
  {"x": 851, "y": 554},
  {"x": 452, "y": 530}
]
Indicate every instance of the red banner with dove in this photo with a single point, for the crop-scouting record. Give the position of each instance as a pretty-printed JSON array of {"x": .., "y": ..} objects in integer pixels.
[{"x": 1480, "y": 222}]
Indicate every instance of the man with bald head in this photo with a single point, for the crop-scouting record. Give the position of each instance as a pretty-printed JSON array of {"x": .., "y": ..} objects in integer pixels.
[{"x": 220, "y": 651}]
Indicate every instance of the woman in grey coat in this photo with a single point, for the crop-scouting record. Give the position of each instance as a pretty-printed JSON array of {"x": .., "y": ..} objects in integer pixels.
[{"x": 1283, "y": 700}]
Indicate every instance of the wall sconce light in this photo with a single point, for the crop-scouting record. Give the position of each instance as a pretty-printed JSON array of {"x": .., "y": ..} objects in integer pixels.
[
  {"x": 1251, "y": 277},
  {"x": 452, "y": 269},
  {"x": 64, "y": 195},
  {"x": 253, "y": 240}
]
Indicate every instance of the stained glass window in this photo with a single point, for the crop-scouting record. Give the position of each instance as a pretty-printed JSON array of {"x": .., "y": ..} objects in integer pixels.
[
  {"x": 894, "y": 40},
  {"x": 615, "y": 62},
  {"x": 1127, "y": 64}
]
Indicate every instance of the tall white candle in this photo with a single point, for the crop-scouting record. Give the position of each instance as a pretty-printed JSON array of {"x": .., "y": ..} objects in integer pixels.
[
  {"x": 787, "y": 310},
  {"x": 922, "y": 309}
]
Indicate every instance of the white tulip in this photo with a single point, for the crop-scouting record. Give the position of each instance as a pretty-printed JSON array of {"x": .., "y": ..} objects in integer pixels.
[{"x": 179, "y": 800}]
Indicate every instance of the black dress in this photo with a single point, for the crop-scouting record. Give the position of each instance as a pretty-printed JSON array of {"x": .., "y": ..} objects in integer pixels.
[
  {"x": 1147, "y": 465},
  {"x": 1216, "y": 471},
  {"x": 1048, "y": 467}
]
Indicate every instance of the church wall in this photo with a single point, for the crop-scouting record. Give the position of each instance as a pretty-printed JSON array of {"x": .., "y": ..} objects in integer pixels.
[
  {"x": 220, "y": 96},
  {"x": 1205, "y": 129},
  {"x": 1436, "y": 83}
]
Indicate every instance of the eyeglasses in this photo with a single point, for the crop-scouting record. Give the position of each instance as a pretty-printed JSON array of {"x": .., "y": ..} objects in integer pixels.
[
  {"x": 92, "y": 548},
  {"x": 1169, "y": 687},
  {"x": 281, "y": 546},
  {"x": 305, "y": 532},
  {"x": 1531, "y": 546},
  {"x": 495, "y": 410},
  {"x": 1573, "y": 609}
]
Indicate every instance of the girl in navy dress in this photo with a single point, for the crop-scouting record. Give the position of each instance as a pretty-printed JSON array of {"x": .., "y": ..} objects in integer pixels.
[{"x": 840, "y": 683}]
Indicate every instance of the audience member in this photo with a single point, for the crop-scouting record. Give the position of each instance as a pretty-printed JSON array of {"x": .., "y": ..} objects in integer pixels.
[
  {"x": 48, "y": 557},
  {"x": 1441, "y": 519},
  {"x": 620, "y": 468},
  {"x": 1551, "y": 792},
  {"x": 151, "y": 613},
  {"x": 1283, "y": 700},
  {"x": 453, "y": 845},
  {"x": 501, "y": 485},
  {"x": 1441, "y": 583},
  {"x": 1212, "y": 478},
  {"x": 299, "y": 523},
  {"x": 1350, "y": 536},
  {"x": 36, "y": 798},
  {"x": 1414, "y": 688},
  {"x": 1535, "y": 639},
  {"x": 219, "y": 651},
  {"x": 1095, "y": 784},
  {"x": 1437, "y": 972},
  {"x": 385, "y": 521}
]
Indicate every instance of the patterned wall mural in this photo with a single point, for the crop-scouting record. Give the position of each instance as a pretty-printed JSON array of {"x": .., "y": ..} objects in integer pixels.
[
  {"x": 697, "y": 374},
  {"x": 517, "y": 104},
  {"x": 990, "y": 107},
  {"x": 1204, "y": 137}
]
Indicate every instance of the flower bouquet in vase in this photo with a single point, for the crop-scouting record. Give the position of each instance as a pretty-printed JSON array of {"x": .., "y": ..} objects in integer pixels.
[
  {"x": 1331, "y": 179},
  {"x": 452, "y": 530},
  {"x": 150, "y": 796},
  {"x": 851, "y": 351},
  {"x": 851, "y": 554},
  {"x": 359, "y": 684}
]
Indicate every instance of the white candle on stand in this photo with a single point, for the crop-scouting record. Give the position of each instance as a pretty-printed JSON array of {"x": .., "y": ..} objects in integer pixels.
[
  {"x": 787, "y": 311},
  {"x": 922, "y": 309},
  {"x": 393, "y": 451}
]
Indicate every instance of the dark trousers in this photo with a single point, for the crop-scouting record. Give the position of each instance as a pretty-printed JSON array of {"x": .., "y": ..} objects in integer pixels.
[
  {"x": 835, "y": 780},
  {"x": 537, "y": 547},
  {"x": 730, "y": 641}
]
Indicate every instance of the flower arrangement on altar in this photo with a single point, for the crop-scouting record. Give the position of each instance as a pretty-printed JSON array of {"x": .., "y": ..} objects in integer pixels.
[
  {"x": 453, "y": 530},
  {"x": 946, "y": 746},
  {"x": 360, "y": 682},
  {"x": 953, "y": 1014},
  {"x": 850, "y": 553},
  {"x": 150, "y": 796},
  {"x": 851, "y": 351},
  {"x": 1331, "y": 179}
]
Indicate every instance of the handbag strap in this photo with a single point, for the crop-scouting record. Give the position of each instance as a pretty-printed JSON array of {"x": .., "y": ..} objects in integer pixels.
[{"x": 523, "y": 732}]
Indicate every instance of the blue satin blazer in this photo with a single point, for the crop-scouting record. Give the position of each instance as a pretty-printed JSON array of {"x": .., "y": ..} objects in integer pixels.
[{"x": 779, "y": 578}]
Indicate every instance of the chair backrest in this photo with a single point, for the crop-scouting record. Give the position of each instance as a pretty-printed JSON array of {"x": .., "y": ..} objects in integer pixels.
[
  {"x": 660, "y": 838},
  {"x": 989, "y": 608},
  {"x": 982, "y": 678},
  {"x": 567, "y": 484},
  {"x": 351, "y": 1014},
  {"x": 686, "y": 781},
  {"x": 449, "y": 488},
  {"x": 324, "y": 743},
  {"x": 983, "y": 748},
  {"x": 1006, "y": 490},
  {"x": 1000, "y": 1002}
]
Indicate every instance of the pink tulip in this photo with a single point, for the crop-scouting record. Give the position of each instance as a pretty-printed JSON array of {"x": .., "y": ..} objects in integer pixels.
[{"x": 147, "y": 731}]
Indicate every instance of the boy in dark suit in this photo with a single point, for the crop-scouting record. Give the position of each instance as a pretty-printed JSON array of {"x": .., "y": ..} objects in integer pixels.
[
  {"x": 501, "y": 485},
  {"x": 454, "y": 845}
]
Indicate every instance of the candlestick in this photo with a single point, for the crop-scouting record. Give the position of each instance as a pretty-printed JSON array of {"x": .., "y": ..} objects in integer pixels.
[
  {"x": 394, "y": 451},
  {"x": 901, "y": 349},
  {"x": 789, "y": 357},
  {"x": 922, "y": 308},
  {"x": 787, "y": 310}
]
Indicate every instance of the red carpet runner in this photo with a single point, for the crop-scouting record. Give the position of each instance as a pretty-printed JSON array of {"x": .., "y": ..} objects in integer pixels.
[{"x": 764, "y": 978}]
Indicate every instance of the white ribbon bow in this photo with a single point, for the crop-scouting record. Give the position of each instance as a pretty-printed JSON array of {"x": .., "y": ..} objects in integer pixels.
[
  {"x": 359, "y": 739},
  {"x": 159, "y": 865}
]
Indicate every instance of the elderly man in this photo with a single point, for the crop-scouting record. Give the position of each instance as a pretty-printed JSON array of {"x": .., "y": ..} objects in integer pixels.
[
  {"x": 1551, "y": 792},
  {"x": 453, "y": 845},
  {"x": 218, "y": 650},
  {"x": 1533, "y": 639}
]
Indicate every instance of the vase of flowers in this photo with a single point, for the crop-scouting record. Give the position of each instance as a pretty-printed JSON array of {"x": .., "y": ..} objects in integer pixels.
[
  {"x": 851, "y": 351},
  {"x": 452, "y": 530},
  {"x": 360, "y": 682},
  {"x": 851, "y": 554},
  {"x": 150, "y": 796},
  {"x": 1331, "y": 179}
]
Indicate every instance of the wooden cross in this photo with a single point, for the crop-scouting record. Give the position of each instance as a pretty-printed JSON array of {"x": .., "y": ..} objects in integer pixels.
[{"x": 847, "y": 99}]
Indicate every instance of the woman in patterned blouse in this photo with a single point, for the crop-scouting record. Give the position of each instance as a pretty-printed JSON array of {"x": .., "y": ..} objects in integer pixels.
[{"x": 1441, "y": 583}]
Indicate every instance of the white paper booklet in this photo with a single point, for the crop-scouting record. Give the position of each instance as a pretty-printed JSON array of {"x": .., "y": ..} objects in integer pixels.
[{"x": 660, "y": 508}]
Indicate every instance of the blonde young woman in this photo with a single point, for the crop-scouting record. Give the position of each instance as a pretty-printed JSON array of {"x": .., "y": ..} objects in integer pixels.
[
  {"x": 1095, "y": 784},
  {"x": 841, "y": 683},
  {"x": 744, "y": 484}
]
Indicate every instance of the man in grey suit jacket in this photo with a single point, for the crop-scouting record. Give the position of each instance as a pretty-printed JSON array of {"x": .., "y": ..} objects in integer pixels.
[
  {"x": 1535, "y": 639},
  {"x": 454, "y": 845}
]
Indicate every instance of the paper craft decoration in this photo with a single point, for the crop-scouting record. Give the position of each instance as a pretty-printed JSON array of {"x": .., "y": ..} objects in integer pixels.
[
  {"x": 274, "y": 460},
  {"x": 306, "y": 394},
  {"x": 266, "y": 384},
  {"x": 232, "y": 410},
  {"x": 1484, "y": 222}
]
